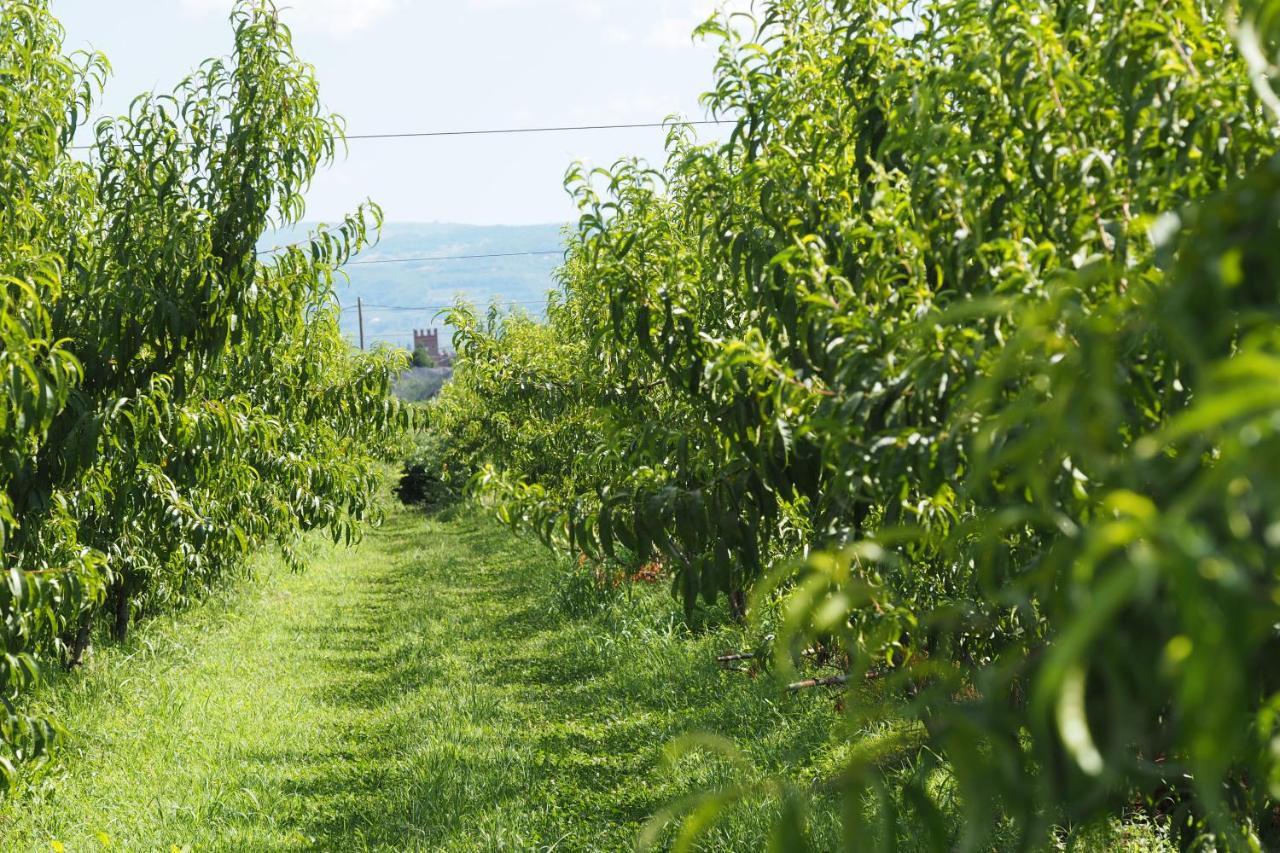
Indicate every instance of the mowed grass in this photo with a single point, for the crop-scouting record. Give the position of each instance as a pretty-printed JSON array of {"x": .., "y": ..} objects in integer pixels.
[{"x": 443, "y": 686}]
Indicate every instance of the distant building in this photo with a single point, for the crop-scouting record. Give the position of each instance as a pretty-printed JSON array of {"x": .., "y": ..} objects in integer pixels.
[{"x": 428, "y": 340}]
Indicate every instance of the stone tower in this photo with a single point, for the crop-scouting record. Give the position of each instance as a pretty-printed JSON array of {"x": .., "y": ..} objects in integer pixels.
[{"x": 429, "y": 340}]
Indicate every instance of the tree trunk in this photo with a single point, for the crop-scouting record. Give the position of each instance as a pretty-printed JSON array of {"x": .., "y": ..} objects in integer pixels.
[
  {"x": 120, "y": 628},
  {"x": 80, "y": 644}
]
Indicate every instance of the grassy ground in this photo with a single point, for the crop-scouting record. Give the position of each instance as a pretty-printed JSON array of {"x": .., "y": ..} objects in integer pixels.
[{"x": 443, "y": 686}]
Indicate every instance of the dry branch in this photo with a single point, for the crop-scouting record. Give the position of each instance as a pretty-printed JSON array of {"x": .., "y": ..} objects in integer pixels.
[
  {"x": 830, "y": 681},
  {"x": 735, "y": 656}
]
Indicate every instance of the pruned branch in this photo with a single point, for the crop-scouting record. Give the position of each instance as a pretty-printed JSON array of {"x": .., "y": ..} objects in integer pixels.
[
  {"x": 830, "y": 681},
  {"x": 734, "y": 657}
]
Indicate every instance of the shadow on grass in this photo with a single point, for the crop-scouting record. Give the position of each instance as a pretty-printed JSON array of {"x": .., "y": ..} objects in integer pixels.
[{"x": 467, "y": 706}]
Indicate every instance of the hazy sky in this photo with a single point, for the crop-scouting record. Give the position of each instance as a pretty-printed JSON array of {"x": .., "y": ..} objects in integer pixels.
[{"x": 424, "y": 65}]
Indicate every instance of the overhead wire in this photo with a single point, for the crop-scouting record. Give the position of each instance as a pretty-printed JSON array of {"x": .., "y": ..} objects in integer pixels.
[
  {"x": 482, "y": 132},
  {"x": 503, "y": 302},
  {"x": 427, "y": 259},
  {"x": 435, "y": 308},
  {"x": 502, "y": 131},
  {"x": 516, "y": 130},
  {"x": 422, "y": 258},
  {"x": 484, "y": 256}
]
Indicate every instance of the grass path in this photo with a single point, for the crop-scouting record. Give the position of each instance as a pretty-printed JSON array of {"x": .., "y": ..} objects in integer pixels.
[{"x": 439, "y": 687}]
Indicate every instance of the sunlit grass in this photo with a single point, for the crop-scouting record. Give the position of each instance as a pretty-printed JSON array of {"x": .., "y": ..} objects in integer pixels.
[
  {"x": 443, "y": 686},
  {"x": 428, "y": 690}
]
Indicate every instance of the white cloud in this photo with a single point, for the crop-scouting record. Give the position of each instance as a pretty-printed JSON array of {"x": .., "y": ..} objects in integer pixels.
[
  {"x": 338, "y": 17},
  {"x": 592, "y": 10},
  {"x": 675, "y": 29},
  {"x": 489, "y": 5},
  {"x": 204, "y": 6},
  {"x": 625, "y": 107},
  {"x": 674, "y": 32},
  {"x": 616, "y": 36}
]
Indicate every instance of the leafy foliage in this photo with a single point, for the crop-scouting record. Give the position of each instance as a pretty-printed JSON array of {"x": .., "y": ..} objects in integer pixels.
[
  {"x": 422, "y": 358},
  {"x": 172, "y": 401},
  {"x": 431, "y": 477},
  {"x": 964, "y": 348}
]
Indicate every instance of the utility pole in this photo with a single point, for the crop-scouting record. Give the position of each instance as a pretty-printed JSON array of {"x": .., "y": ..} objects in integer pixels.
[{"x": 360, "y": 314}]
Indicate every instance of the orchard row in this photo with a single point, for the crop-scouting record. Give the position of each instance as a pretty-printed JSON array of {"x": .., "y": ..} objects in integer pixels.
[
  {"x": 171, "y": 401},
  {"x": 960, "y": 355}
]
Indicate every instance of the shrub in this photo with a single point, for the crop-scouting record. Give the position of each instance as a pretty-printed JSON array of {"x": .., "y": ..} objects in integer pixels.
[{"x": 431, "y": 477}]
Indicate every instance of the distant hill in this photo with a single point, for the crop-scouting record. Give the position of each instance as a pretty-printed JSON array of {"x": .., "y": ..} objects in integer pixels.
[{"x": 402, "y": 297}]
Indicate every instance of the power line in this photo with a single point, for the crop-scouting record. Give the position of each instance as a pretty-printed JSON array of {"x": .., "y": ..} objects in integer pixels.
[
  {"x": 443, "y": 307},
  {"x": 426, "y": 258},
  {"x": 503, "y": 131},
  {"x": 514, "y": 130},
  {"x": 454, "y": 258}
]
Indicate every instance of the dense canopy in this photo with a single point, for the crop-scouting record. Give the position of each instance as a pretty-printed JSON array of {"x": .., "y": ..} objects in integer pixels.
[{"x": 960, "y": 356}]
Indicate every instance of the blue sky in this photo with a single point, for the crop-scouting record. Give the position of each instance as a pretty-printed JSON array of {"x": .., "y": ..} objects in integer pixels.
[{"x": 423, "y": 65}]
